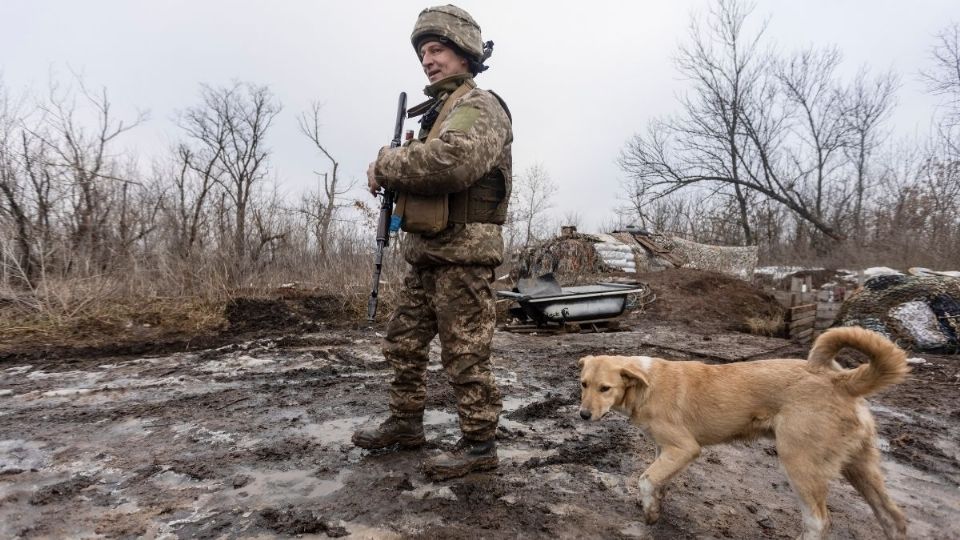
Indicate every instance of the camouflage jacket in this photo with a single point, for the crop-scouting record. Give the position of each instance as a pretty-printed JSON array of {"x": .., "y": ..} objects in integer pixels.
[{"x": 474, "y": 139}]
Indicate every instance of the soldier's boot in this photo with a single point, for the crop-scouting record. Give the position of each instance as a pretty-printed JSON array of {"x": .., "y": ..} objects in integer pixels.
[
  {"x": 467, "y": 457},
  {"x": 406, "y": 432}
]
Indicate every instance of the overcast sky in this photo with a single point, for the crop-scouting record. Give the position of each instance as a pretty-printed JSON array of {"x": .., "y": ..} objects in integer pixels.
[{"x": 580, "y": 77}]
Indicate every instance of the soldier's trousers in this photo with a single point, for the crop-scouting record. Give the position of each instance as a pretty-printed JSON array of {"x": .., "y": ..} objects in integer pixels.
[{"x": 458, "y": 303}]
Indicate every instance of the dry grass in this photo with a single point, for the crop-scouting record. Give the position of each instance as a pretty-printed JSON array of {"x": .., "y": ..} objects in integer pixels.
[
  {"x": 764, "y": 326},
  {"x": 172, "y": 304},
  {"x": 110, "y": 321}
]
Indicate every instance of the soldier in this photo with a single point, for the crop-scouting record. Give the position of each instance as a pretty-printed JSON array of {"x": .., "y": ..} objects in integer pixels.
[{"x": 453, "y": 184}]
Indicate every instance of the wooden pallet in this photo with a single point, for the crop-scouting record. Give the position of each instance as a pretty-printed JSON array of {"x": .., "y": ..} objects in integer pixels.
[{"x": 579, "y": 327}]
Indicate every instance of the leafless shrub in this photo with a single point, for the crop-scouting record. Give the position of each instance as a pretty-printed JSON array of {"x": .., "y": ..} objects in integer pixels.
[{"x": 764, "y": 326}]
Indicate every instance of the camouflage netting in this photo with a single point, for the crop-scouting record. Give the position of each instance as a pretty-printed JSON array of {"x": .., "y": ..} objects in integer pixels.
[
  {"x": 733, "y": 261},
  {"x": 921, "y": 313},
  {"x": 568, "y": 259},
  {"x": 571, "y": 257}
]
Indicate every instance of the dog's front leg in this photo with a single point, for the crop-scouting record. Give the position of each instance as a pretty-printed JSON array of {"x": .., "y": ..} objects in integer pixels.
[{"x": 670, "y": 460}]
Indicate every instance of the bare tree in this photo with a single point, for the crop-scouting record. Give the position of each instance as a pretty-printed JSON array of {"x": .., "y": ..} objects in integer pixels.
[
  {"x": 809, "y": 84},
  {"x": 231, "y": 124},
  {"x": 14, "y": 203},
  {"x": 866, "y": 105},
  {"x": 756, "y": 129},
  {"x": 322, "y": 205},
  {"x": 194, "y": 180},
  {"x": 81, "y": 160},
  {"x": 707, "y": 144},
  {"x": 533, "y": 193},
  {"x": 724, "y": 66},
  {"x": 60, "y": 180},
  {"x": 943, "y": 79}
]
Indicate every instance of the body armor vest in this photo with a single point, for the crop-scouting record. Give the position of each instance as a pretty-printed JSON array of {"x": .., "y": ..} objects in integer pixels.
[{"x": 485, "y": 201}]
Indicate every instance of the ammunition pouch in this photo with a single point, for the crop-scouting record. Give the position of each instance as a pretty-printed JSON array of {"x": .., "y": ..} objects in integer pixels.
[
  {"x": 483, "y": 202},
  {"x": 422, "y": 214}
]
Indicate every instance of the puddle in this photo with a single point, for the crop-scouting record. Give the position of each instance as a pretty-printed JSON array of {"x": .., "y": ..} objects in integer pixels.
[
  {"x": 133, "y": 428},
  {"x": 891, "y": 412},
  {"x": 291, "y": 487},
  {"x": 912, "y": 488},
  {"x": 512, "y": 403},
  {"x": 949, "y": 447},
  {"x": 512, "y": 424},
  {"x": 200, "y": 434},
  {"x": 883, "y": 444},
  {"x": 234, "y": 366},
  {"x": 68, "y": 392},
  {"x": 18, "y": 455},
  {"x": 335, "y": 432},
  {"x": 565, "y": 509},
  {"x": 367, "y": 532},
  {"x": 175, "y": 480},
  {"x": 18, "y": 370},
  {"x": 522, "y": 454},
  {"x": 436, "y": 417},
  {"x": 636, "y": 529}
]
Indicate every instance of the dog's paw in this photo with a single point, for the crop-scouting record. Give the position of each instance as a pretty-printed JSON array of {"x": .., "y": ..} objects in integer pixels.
[
  {"x": 649, "y": 500},
  {"x": 651, "y": 510}
]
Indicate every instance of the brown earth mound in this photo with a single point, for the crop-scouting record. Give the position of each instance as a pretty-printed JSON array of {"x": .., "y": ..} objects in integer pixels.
[
  {"x": 286, "y": 311},
  {"x": 153, "y": 325},
  {"x": 707, "y": 300}
]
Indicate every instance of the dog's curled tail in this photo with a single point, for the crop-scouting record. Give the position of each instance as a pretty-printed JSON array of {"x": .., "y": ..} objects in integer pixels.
[{"x": 888, "y": 363}]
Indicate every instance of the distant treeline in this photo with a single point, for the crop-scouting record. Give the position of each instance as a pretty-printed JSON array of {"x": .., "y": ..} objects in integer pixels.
[{"x": 778, "y": 150}]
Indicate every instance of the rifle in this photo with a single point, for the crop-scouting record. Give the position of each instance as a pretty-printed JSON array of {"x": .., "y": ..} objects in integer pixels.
[{"x": 386, "y": 212}]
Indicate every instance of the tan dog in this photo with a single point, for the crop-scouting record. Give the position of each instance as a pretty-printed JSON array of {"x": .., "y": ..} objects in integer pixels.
[{"x": 812, "y": 407}]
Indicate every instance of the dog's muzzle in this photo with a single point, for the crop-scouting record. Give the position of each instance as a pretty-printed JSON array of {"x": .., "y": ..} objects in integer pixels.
[{"x": 585, "y": 414}]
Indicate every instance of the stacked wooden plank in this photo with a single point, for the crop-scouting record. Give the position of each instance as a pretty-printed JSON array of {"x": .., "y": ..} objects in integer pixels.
[
  {"x": 828, "y": 305},
  {"x": 801, "y": 304},
  {"x": 800, "y": 322}
]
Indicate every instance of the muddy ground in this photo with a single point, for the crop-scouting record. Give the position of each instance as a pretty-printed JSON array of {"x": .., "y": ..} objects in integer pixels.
[{"x": 251, "y": 440}]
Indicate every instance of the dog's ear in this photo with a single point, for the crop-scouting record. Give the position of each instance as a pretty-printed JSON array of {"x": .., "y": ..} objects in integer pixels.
[
  {"x": 632, "y": 375},
  {"x": 583, "y": 360}
]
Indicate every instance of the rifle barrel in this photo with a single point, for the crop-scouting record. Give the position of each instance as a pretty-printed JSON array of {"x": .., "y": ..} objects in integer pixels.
[{"x": 386, "y": 211}]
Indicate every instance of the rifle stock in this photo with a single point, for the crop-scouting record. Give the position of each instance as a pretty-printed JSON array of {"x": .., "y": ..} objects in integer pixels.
[{"x": 388, "y": 198}]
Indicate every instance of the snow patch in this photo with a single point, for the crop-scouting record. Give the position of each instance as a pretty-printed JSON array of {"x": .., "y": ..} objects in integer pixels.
[
  {"x": 68, "y": 392},
  {"x": 881, "y": 271}
]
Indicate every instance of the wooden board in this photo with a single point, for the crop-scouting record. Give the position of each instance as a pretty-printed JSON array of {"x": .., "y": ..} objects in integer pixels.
[
  {"x": 802, "y": 336},
  {"x": 796, "y": 311}
]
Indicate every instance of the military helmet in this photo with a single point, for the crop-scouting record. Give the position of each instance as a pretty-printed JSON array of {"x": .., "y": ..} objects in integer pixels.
[{"x": 449, "y": 23}]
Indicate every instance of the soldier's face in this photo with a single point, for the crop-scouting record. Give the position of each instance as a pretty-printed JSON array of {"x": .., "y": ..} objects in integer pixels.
[{"x": 440, "y": 62}]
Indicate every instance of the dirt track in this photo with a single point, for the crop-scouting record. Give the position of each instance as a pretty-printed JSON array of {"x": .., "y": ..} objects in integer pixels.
[{"x": 252, "y": 440}]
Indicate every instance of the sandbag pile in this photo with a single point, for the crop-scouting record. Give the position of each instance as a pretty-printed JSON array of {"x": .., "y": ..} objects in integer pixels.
[{"x": 615, "y": 254}]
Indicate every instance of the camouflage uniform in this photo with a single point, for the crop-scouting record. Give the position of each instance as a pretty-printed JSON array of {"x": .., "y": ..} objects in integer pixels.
[{"x": 448, "y": 288}]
